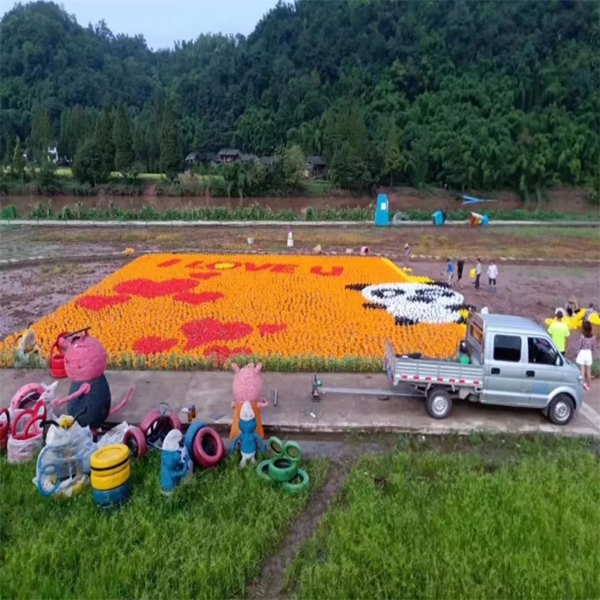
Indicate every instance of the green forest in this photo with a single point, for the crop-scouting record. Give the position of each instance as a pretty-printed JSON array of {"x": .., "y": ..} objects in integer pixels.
[{"x": 469, "y": 94}]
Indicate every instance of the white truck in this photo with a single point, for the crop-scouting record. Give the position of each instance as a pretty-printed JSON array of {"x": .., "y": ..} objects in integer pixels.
[{"x": 513, "y": 362}]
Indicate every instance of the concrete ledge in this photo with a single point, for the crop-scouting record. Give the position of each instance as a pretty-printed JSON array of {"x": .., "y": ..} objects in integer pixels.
[{"x": 75, "y": 223}]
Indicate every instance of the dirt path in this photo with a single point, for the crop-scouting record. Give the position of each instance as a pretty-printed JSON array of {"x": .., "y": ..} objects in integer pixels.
[{"x": 528, "y": 243}]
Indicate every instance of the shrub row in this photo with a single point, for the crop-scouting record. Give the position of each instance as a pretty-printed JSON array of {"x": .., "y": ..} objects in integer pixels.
[{"x": 254, "y": 212}]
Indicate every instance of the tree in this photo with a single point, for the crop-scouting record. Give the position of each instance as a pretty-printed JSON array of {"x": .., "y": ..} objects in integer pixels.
[
  {"x": 46, "y": 177},
  {"x": 41, "y": 133},
  {"x": 393, "y": 159},
  {"x": 18, "y": 162},
  {"x": 105, "y": 144},
  {"x": 170, "y": 149},
  {"x": 124, "y": 154},
  {"x": 294, "y": 165},
  {"x": 88, "y": 166}
]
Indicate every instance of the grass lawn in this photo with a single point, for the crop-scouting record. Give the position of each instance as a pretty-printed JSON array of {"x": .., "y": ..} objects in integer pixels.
[
  {"x": 206, "y": 541},
  {"x": 433, "y": 525}
]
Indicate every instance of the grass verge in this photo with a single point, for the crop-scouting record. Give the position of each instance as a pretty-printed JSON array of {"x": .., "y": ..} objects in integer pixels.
[
  {"x": 522, "y": 523},
  {"x": 206, "y": 541}
]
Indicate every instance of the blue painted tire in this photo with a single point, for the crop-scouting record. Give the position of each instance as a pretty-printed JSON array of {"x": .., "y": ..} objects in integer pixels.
[
  {"x": 113, "y": 498},
  {"x": 190, "y": 434}
]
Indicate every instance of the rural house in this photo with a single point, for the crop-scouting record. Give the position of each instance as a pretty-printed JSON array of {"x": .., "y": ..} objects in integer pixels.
[
  {"x": 315, "y": 167},
  {"x": 229, "y": 155}
]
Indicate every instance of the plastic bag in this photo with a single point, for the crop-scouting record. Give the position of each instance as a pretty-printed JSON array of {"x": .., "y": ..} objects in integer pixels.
[
  {"x": 22, "y": 450},
  {"x": 114, "y": 435}
]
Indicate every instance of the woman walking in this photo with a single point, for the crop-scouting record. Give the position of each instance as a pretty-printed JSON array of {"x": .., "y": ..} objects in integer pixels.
[{"x": 587, "y": 345}]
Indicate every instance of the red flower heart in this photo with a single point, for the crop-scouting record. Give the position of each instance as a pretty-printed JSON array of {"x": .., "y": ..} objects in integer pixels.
[
  {"x": 153, "y": 345},
  {"x": 222, "y": 353},
  {"x": 205, "y": 331},
  {"x": 99, "y": 302},
  {"x": 146, "y": 288},
  {"x": 270, "y": 329},
  {"x": 204, "y": 275},
  {"x": 169, "y": 263},
  {"x": 202, "y": 298}
]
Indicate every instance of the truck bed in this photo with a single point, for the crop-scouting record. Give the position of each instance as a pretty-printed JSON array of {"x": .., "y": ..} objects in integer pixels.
[{"x": 425, "y": 371}]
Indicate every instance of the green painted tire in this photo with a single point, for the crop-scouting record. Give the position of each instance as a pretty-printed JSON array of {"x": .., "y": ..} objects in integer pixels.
[
  {"x": 275, "y": 446},
  {"x": 299, "y": 484},
  {"x": 262, "y": 470},
  {"x": 292, "y": 451},
  {"x": 282, "y": 469}
]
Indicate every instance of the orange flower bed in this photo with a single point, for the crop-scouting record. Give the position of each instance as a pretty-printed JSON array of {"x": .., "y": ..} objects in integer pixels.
[{"x": 218, "y": 306}]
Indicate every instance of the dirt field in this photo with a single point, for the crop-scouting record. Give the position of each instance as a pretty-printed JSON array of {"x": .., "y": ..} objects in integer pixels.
[
  {"x": 526, "y": 243},
  {"x": 531, "y": 291}
]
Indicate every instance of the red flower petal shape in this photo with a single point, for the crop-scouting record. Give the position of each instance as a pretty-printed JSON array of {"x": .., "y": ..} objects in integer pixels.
[
  {"x": 153, "y": 345},
  {"x": 205, "y": 331},
  {"x": 222, "y": 353},
  {"x": 271, "y": 328},
  {"x": 205, "y": 275},
  {"x": 334, "y": 272},
  {"x": 202, "y": 298},
  {"x": 146, "y": 288},
  {"x": 99, "y": 302},
  {"x": 169, "y": 263}
]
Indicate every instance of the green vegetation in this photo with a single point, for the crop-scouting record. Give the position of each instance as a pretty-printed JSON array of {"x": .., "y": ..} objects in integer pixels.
[
  {"x": 385, "y": 91},
  {"x": 206, "y": 541},
  {"x": 522, "y": 523},
  {"x": 255, "y": 212}
]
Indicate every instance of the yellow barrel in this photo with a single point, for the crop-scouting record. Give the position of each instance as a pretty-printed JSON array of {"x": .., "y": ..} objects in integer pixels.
[{"x": 110, "y": 467}]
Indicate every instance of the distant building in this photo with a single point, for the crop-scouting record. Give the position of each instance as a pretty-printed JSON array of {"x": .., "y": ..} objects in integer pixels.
[
  {"x": 52, "y": 154},
  {"x": 267, "y": 161},
  {"x": 229, "y": 155},
  {"x": 191, "y": 159},
  {"x": 315, "y": 167},
  {"x": 248, "y": 158}
]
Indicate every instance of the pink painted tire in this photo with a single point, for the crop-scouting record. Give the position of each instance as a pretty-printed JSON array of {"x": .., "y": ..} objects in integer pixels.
[
  {"x": 156, "y": 424},
  {"x": 208, "y": 448},
  {"x": 135, "y": 440}
]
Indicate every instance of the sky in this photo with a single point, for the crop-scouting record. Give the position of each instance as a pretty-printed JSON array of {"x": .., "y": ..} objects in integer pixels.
[{"x": 162, "y": 22}]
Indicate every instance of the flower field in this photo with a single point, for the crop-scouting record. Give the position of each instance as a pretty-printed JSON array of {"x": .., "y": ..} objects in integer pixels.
[{"x": 163, "y": 309}]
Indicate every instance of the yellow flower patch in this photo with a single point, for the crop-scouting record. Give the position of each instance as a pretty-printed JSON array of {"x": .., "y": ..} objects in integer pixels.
[{"x": 217, "y": 306}]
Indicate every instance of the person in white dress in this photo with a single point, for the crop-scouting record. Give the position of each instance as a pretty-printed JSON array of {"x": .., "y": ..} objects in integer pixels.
[{"x": 492, "y": 273}]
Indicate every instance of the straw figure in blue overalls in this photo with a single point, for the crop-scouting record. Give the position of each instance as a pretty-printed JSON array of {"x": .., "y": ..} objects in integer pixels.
[
  {"x": 248, "y": 439},
  {"x": 174, "y": 461}
]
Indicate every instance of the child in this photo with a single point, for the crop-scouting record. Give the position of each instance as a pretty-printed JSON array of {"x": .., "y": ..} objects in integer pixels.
[
  {"x": 492, "y": 274},
  {"x": 477, "y": 273},
  {"x": 587, "y": 345},
  {"x": 406, "y": 260}
]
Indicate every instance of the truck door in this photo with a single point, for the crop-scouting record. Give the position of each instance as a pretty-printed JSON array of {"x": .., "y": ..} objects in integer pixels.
[
  {"x": 504, "y": 370},
  {"x": 545, "y": 370}
]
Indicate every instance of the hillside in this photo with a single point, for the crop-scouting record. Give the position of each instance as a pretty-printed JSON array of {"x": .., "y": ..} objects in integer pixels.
[{"x": 469, "y": 93}]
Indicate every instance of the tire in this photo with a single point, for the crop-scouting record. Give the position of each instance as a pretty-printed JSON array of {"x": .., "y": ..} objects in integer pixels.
[
  {"x": 262, "y": 470},
  {"x": 208, "y": 448},
  {"x": 438, "y": 404},
  {"x": 282, "y": 469},
  {"x": 292, "y": 451},
  {"x": 561, "y": 410},
  {"x": 155, "y": 426},
  {"x": 275, "y": 445},
  {"x": 135, "y": 440},
  {"x": 190, "y": 434},
  {"x": 299, "y": 484}
]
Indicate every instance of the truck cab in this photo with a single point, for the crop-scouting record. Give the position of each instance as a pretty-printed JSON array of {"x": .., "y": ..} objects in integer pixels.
[{"x": 522, "y": 367}]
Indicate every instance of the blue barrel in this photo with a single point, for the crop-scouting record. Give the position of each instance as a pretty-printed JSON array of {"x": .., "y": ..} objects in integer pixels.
[
  {"x": 439, "y": 218},
  {"x": 113, "y": 498}
]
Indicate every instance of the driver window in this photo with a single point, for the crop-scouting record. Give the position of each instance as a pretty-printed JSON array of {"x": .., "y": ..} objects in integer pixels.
[{"x": 541, "y": 352}]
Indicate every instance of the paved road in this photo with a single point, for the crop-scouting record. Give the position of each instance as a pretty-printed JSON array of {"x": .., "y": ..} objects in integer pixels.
[{"x": 296, "y": 411}]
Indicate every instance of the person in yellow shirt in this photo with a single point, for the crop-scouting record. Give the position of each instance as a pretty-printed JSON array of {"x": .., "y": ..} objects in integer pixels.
[{"x": 559, "y": 332}]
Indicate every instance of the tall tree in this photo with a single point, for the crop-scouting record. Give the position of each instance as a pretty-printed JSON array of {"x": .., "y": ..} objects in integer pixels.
[
  {"x": 18, "y": 161},
  {"x": 106, "y": 146},
  {"x": 170, "y": 148},
  {"x": 124, "y": 154},
  {"x": 41, "y": 133}
]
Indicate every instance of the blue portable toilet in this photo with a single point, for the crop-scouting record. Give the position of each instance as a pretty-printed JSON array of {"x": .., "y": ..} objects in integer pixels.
[
  {"x": 382, "y": 211},
  {"x": 439, "y": 217}
]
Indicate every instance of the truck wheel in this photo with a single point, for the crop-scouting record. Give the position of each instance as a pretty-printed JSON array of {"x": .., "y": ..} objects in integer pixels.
[
  {"x": 561, "y": 410},
  {"x": 438, "y": 404}
]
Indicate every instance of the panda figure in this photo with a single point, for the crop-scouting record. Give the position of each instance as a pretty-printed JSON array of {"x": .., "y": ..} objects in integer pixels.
[{"x": 413, "y": 303}]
